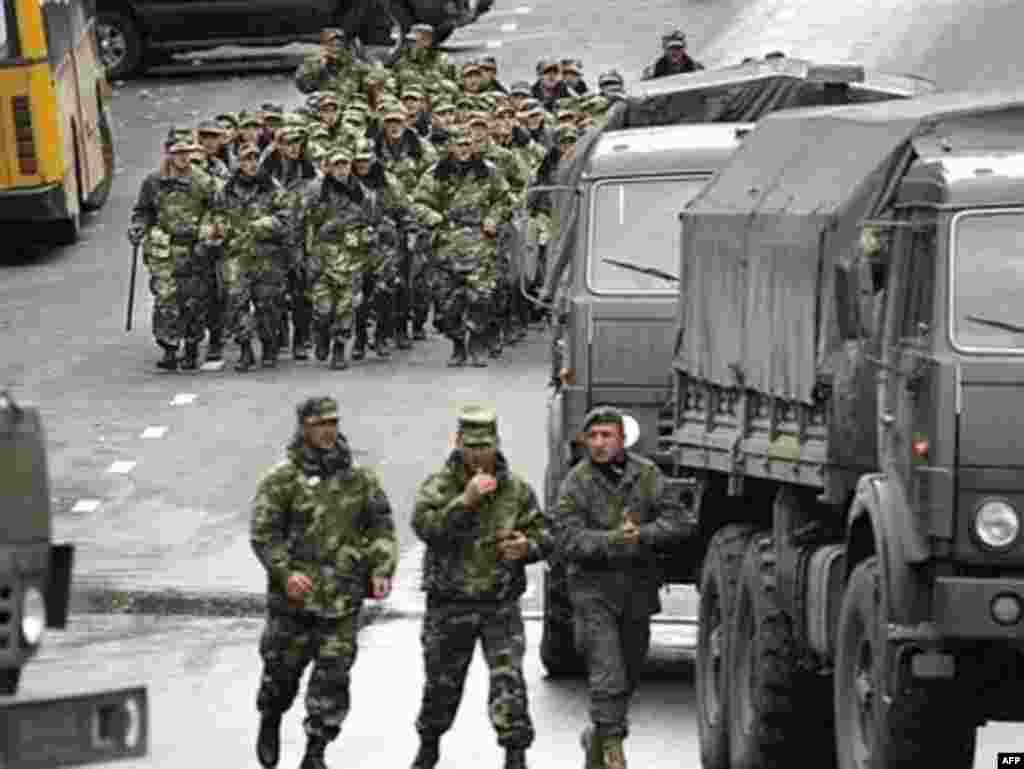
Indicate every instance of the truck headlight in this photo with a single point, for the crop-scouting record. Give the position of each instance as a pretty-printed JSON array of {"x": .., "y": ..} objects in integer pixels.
[
  {"x": 33, "y": 616},
  {"x": 997, "y": 524}
]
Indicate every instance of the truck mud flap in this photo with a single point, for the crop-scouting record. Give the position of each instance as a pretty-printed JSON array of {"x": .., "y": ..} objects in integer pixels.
[
  {"x": 58, "y": 585},
  {"x": 74, "y": 730}
]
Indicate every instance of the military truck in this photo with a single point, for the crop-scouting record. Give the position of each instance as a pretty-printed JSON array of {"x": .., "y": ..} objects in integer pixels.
[
  {"x": 847, "y": 384},
  {"x": 615, "y": 260},
  {"x": 46, "y": 727}
]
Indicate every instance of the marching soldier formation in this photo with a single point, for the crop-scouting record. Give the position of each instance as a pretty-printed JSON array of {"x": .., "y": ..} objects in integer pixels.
[{"x": 391, "y": 196}]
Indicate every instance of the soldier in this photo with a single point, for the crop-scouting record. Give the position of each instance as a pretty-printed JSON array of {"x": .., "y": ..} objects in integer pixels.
[
  {"x": 472, "y": 78},
  {"x": 329, "y": 112},
  {"x": 173, "y": 202},
  {"x": 612, "y": 85},
  {"x": 614, "y": 511},
  {"x": 489, "y": 71},
  {"x": 322, "y": 528},
  {"x": 442, "y": 118},
  {"x": 422, "y": 61},
  {"x": 251, "y": 225},
  {"x": 339, "y": 235},
  {"x": 532, "y": 116},
  {"x": 464, "y": 200},
  {"x": 518, "y": 93},
  {"x": 572, "y": 71},
  {"x": 250, "y": 130},
  {"x": 417, "y": 116},
  {"x": 290, "y": 166},
  {"x": 540, "y": 204},
  {"x": 401, "y": 151},
  {"x": 481, "y": 524},
  {"x": 212, "y": 139},
  {"x": 674, "y": 59},
  {"x": 336, "y": 68},
  {"x": 549, "y": 87}
]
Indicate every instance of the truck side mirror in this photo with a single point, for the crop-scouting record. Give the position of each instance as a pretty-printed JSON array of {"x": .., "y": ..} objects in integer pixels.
[{"x": 847, "y": 305}]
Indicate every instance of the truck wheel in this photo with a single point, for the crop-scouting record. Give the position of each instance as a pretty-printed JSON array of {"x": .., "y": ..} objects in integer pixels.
[
  {"x": 558, "y": 636},
  {"x": 121, "y": 46},
  {"x": 719, "y": 576},
  {"x": 920, "y": 725},
  {"x": 9, "y": 678},
  {"x": 778, "y": 713}
]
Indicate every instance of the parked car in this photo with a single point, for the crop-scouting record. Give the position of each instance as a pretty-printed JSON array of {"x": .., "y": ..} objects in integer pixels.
[{"x": 136, "y": 34}]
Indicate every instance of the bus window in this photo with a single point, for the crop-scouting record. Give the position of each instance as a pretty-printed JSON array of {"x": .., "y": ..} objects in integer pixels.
[{"x": 8, "y": 31}]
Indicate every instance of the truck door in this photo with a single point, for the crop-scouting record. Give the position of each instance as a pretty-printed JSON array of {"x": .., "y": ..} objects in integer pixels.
[{"x": 631, "y": 318}]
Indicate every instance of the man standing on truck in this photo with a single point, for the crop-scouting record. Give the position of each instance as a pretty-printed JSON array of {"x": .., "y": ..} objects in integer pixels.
[
  {"x": 336, "y": 68},
  {"x": 613, "y": 511},
  {"x": 675, "y": 60},
  {"x": 481, "y": 524},
  {"x": 322, "y": 528}
]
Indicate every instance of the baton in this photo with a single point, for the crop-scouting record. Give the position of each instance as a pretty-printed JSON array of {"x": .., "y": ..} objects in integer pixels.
[{"x": 131, "y": 287}]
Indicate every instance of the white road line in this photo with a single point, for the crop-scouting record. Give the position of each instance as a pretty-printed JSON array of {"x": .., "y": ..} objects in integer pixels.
[
  {"x": 213, "y": 365},
  {"x": 86, "y": 506},
  {"x": 154, "y": 432},
  {"x": 183, "y": 399},
  {"x": 122, "y": 466},
  {"x": 522, "y": 10},
  {"x": 509, "y": 26},
  {"x": 494, "y": 44}
]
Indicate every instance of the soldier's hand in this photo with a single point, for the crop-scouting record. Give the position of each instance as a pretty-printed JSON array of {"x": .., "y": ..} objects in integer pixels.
[
  {"x": 477, "y": 486},
  {"x": 298, "y": 586},
  {"x": 381, "y": 587},
  {"x": 514, "y": 547},
  {"x": 490, "y": 230}
]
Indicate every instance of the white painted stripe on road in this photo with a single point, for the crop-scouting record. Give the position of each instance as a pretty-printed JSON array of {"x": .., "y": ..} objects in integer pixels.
[
  {"x": 213, "y": 365},
  {"x": 509, "y": 26},
  {"x": 86, "y": 506},
  {"x": 122, "y": 466},
  {"x": 522, "y": 10},
  {"x": 156, "y": 431},
  {"x": 494, "y": 44},
  {"x": 183, "y": 399}
]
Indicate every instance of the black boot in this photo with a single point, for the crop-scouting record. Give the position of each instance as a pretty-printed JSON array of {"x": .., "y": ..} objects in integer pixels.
[
  {"x": 300, "y": 347},
  {"x": 458, "y": 358},
  {"x": 419, "y": 333},
  {"x": 477, "y": 348},
  {"x": 314, "y": 757},
  {"x": 190, "y": 360},
  {"x": 323, "y": 344},
  {"x": 269, "y": 352},
  {"x": 493, "y": 342},
  {"x": 338, "y": 362},
  {"x": 402, "y": 338},
  {"x": 515, "y": 758},
  {"x": 428, "y": 755},
  {"x": 380, "y": 346},
  {"x": 247, "y": 359},
  {"x": 268, "y": 743},
  {"x": 359, "y": 348},
  {"x": 215, "y": 348},
  {"x": 170, "y": 359}
]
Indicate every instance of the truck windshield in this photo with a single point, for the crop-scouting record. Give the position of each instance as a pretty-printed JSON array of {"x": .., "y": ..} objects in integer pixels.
[
  {"x": 988, "y": 281},
  {"x": 8, "y": 31},
  {"x": 637, "y": 221}
]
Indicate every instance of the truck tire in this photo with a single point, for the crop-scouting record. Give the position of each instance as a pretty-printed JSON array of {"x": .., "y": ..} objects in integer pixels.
[
  {"x": 9, "y": 678},
  {"x": 558, "y": 636},
  {"x": 719, "y": 576},
  {"x": 778, "y": 709},
  {"x": 122, "y": 49},
  {"x": 920, "y": 726}
]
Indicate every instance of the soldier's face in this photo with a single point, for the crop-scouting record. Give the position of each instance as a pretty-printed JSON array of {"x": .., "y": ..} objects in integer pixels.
[
  {"x": 393, "y": 129},
  {"x": 181, "y": 161},
  {"x": 424, "y": 40},
  {"x": 340, "y": 170},
  {"x": 412, "y": 104},
  {"x": 211, "y": 142},
  {"x": 551, "y": 75},
  {"x": 320, "y": 434},
  {"x": 462, "y": 151},
  {"x": 291, "y": 150},
  {"x": 488, "y": 74},
  {"x": 361, "y": 167},
  {"x": 478, "y": 458},
  {"x": 478, "y": 132},
  {"x": 329, "y": 114},
  {"x": 472, "y": 82},
  {"x": 249, "y": 164},
  {"x": 251, "y": 134},
  {"x": 444, "y": 119},
  {"x": 605, "y": 442}
]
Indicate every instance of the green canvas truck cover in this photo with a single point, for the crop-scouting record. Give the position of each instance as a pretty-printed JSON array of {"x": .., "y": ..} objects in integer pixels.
[{"x": 761, "y": 242}]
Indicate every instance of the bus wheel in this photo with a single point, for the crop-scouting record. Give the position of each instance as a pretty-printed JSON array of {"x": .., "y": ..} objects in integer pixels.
[
  {"x": 121, "y": 46},
  {"x": 9, "y": 678}
]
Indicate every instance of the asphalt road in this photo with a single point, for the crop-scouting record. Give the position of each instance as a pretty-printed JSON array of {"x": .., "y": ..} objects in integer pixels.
[{"x": 152, "y": 474}]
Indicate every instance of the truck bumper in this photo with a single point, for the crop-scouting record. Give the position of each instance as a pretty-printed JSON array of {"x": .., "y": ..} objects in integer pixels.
[
  {"x": 33, "y": 204},
  {"x": 964, "y": 608}
]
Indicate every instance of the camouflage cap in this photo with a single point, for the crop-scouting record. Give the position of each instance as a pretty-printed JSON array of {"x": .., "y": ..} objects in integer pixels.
[
  {"x": 413, "y": 92},
  {"x": 363, "y": 150},
  {"x": 377, "y": 74},
  {"x": 227, "y": 117},
  {"x": 444, "y": 105},
  {"x": 338, "y": 155},
  {"x": 321, "y": 409},
  {"x": 211, "y": 127},
  {"x": 246, "y": 119},
  {"x": 395, "y": 113},
  {"x": 603, "y": 415},
  {"x": 328, "y": 98},
  {"x": 567, "y": 134},
  {"x": 421, "y": 27},
  {"x": 572, "y": 65},
  {"x": 471, "y": 66},
  {"x": 458, "y": 135},
  {"x": 520, "y": 88},
  {"x": 293, "y": 134},
  {"x": 354, "y": 116},
  {"x": 566, "y": 114},
  {"x": 320, "y": 132},
  {"x": 478, "y": 118},
  {"x": 478, "y": 426}
]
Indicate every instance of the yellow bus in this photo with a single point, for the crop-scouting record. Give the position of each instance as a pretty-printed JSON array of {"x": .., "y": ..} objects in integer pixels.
[{"x": 56, "y": 143}]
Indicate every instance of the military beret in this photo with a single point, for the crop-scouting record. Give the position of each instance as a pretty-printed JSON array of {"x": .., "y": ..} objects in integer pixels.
[
  {"x": 421, "y": 28},
  {"x": 566, "y": 134},
  {"x": 520, "y": 87},
  {"x": 478, "y": 426},
  {"x": 322, "y": 409},
  {"x": 363, "y": 151},
  {"x": 248, "y": 149},
  {"x": 470, "y": 66},
  {"x": 604, "y": 415}
]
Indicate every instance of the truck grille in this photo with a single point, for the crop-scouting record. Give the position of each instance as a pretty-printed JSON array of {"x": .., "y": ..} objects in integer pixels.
[{"x": 7, "y": 635}]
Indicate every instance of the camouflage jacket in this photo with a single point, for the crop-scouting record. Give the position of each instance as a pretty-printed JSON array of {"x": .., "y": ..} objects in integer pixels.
[
  {"x": 461, "y": 562},
  {"x": 451, "y": 194},
  {"x": 326, "y": 518},
  {"x": 512, "y": 168},
  {"x": 393, "y": 200},
  {"x": 428, "y": 68},
  {"x": 173, "y": 209},
  {"x": 256, "y": 219},
  {"x": 591, "y": 508},
  {"x": 344, "y": 76},
  {"x": 340, "y": 227},
  {"x": 296, "y": 179},
  {"x": 407, "y": 159}
]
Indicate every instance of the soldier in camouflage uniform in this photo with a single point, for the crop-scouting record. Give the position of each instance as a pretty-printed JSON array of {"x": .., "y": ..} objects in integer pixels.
[
  {"x": 212, "y": 138},
  {"x": 336, "y": 68},
  {"x": 250, "y": 228},
  {"x": 481, "y": 524},
  {"x": 464, "y": 200},
  {"x": 340, "y": 236},
  {"x": 173, "y": 202},
  {"x": 322, "y": 528},
  {"x": 402, "y": 152},
  {"x": 422, "y": 62},
  {"x": 614, "y": 510}
]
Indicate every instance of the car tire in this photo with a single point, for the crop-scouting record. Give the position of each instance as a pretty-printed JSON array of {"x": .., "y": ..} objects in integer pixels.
[{"x": 121, "y": 46}]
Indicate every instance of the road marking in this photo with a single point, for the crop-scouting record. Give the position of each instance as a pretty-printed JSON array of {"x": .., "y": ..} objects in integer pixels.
[
  {"x": 183, "y": 399},
  {"x": 122, "y": 466},
  {"x": 86, "y": 506},
  {"x": 509, "y": 26},
  {"x": 522, "y": 10},
  {"x": 154, "y": 432},
  {"x": 212, "y": 365},
  {"x": 494, "y": 44}
]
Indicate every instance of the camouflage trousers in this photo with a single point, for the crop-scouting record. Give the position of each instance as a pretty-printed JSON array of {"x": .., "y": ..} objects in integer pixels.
[
  {"x": 468, "y": 303},
  {"x": 333, "y": 299},
  {"x": 290, "y": 641},
  {"x": 380, "y": 290},
  {"x": 449, "y": 636},
  {"x": 614, "y": 647},
  {"x": 299, "y": 304},
  {"x": 255, "y": 299},
  {"x": 180, "y": 302}
]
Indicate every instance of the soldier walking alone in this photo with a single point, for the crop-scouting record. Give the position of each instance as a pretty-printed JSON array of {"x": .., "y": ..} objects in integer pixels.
[
  {"x": 481, "y": 524},
  {"x": 613, "y": 511},
  {"x": 322, "y": 528}
]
